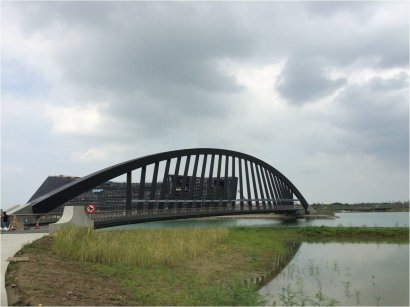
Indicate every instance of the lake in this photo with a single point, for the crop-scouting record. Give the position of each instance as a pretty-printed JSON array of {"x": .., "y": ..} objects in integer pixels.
[
  {"x": 355, "y": 219},
  {"x": 329, "y": 273},
  {"x": 348, "y": 274}
]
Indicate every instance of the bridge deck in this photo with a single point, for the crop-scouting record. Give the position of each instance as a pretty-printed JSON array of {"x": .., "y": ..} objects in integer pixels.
[{"x": 109, "y": 219}]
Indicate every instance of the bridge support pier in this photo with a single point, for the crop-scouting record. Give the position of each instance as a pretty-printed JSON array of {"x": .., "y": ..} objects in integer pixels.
[{"x": 72, "y": 216}]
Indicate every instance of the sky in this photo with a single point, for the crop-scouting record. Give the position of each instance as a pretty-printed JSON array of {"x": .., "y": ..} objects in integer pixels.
[{"x": 319, "y": 90}]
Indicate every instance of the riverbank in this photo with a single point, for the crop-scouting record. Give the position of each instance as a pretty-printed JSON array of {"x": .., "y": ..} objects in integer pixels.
[
  {"x": 361, "y": 207},
  {"x": 270, "y": 216},
  {"x": 213, "y": 277}
]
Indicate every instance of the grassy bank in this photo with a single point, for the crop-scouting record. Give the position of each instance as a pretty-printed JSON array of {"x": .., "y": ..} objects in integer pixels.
[
  {"x": 353, "y": 234},
  {"x": 177, "y": 266},
  {"x": 148, "y": 248},
  {"x": 204, "y": 266}
]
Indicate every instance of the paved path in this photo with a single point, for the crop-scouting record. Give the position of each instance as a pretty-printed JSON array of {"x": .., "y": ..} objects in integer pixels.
[{"x": 11, "y": 243}]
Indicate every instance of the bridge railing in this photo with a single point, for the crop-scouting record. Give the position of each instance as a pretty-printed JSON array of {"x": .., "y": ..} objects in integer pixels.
[
  {"x": 193, "y": 203},
  {"x": 153, "y": 208},
  {"x": 208, "y": 207}
]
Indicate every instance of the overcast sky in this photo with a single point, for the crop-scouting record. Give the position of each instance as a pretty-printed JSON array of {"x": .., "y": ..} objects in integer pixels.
[{"x": 319, "y": 90}]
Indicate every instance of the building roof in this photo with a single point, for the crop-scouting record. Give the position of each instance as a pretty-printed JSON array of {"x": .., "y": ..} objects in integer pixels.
[{"x": 51, "y": 183}]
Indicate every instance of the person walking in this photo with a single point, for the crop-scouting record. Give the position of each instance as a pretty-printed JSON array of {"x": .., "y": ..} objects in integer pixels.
[{"x": 5, "y": 218}]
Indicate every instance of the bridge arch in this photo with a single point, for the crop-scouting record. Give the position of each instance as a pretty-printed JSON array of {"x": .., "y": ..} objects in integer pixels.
[{"x": 201, "y": 176}]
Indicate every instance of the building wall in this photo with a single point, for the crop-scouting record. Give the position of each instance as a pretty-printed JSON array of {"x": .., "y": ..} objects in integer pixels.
[{"x": 113, "y": 194}]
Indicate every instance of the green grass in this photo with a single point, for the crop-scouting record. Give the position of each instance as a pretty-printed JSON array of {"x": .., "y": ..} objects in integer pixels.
[
  {"x": 353, "y": 234},
  {"x": 139, "y": 247},
  {"x": 198, "y": 266}
]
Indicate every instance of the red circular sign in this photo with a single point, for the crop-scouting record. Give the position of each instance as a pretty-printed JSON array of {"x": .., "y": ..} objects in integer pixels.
[{"x": 90, "y": 208}]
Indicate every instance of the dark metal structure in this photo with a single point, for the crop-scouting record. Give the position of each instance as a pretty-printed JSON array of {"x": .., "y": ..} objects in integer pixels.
[{"x": 200, "y": 178}]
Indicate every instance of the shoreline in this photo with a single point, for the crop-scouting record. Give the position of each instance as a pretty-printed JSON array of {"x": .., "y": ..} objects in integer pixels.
[
  {"x": 268, "y": 216},
  {"x": 259, "y": 253}
]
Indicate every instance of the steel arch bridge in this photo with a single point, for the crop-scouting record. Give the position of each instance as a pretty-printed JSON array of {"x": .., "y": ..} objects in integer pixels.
[{"x": 184, "y": 183}]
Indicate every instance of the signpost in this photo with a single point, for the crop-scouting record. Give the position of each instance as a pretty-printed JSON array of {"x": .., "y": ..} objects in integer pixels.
[{"x": 90, "y": 208}]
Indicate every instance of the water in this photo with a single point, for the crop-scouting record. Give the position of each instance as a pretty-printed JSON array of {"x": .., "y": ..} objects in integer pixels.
[
  {"x": 351, "y": 273},
  {"x": 369, "y": 219},
  {"x": 330, "y": 273}
]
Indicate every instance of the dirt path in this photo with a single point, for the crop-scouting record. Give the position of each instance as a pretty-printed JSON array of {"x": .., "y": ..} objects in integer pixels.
[{"x": 52, "y": 281}]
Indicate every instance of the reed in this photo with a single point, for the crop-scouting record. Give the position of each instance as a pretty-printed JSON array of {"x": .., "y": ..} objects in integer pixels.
[{"x": 148, "y": 248}]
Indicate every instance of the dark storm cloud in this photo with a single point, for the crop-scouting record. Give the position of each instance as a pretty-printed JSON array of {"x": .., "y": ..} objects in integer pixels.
[{"x": 305, "y": 79}]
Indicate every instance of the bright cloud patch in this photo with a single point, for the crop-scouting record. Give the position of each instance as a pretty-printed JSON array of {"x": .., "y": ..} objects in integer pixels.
[
  {"x": 75, "y": 120},
  {"x": 98, "y": 154}
]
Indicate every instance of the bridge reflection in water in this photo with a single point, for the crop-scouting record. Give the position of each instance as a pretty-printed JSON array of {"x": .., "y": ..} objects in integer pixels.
[
  {"x": 278, "y": 265},
  {"x": 177, "y": 184}
]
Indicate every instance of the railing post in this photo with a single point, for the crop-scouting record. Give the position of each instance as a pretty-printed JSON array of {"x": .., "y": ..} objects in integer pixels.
[
  {"x": 226, "y": 194},
  {"x": 128, "y": 193},
  {"x": 211, "y": 169},
  {"x": 217, "y": 192},
  {"x": 201, "y": 181},
  {"x": 240, "y": 183},
  {"x": 255, "y": 191},
  {"x": 248, "y": 187},
  {"x": 141, "y": 192},
  {"x": 262, "y": 195},
  {"x": 165, "y": 183},
  {"x": 153, "y": 190}
]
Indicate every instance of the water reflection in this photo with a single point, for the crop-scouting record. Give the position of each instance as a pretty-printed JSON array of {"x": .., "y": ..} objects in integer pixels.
[
  {"x": 281, "y": 262},
  {"x": 343, "y": 274}
]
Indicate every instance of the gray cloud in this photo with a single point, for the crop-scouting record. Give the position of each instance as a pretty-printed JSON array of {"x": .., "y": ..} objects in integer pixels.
[
  {"x": 366, "y": 37},
  {"x": 159, "y": 70},
  {"x": 155, "y": 63},
  {"x": 328, "y": 9},
  {"x": 305, "y": 79},
  {"x": 144, "y": 45},
  {"x": 376, "y": 115}
]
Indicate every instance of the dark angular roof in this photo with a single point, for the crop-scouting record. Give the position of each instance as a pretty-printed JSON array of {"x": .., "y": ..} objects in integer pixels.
[{"x": 51, "y": 183}]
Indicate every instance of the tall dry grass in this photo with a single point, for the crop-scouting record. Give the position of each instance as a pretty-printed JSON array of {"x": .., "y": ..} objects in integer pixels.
[{"x": 151, "y": 247}]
